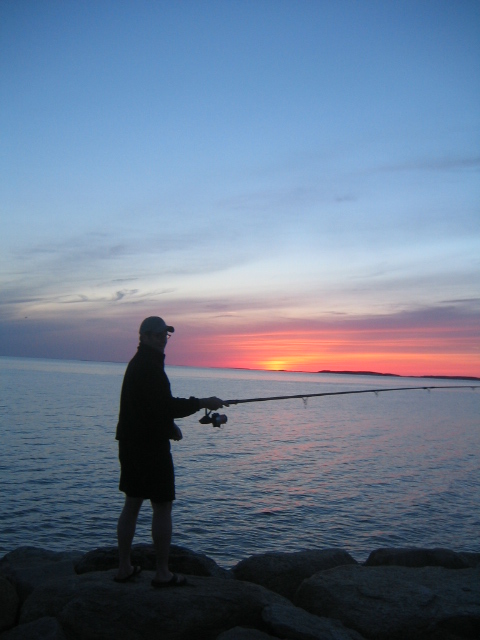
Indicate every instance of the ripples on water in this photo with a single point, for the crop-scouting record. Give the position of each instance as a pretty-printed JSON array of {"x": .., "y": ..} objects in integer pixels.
[{"x": 355, "y": 471}]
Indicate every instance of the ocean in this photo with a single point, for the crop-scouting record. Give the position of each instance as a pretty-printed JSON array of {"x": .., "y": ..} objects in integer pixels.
[{"x": 357, "y": 472}]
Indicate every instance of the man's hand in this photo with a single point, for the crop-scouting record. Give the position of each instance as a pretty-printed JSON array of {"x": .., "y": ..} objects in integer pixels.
[{"x": 212, "y": 404}]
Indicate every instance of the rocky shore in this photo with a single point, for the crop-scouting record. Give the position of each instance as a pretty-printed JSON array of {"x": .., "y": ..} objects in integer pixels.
[{"x": 397, "y": 594}]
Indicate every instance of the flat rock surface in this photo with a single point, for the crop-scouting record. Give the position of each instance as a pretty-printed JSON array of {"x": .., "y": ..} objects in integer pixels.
[
  {"x": 241, "y": 633},
  {"x": 396, "y": 602},
  {"x": 181, "y": 560},
  {"x": 93, "y": 606}
]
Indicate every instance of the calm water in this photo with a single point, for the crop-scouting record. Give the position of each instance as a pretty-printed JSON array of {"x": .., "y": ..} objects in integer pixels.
[{"x": 357, "y": 471}]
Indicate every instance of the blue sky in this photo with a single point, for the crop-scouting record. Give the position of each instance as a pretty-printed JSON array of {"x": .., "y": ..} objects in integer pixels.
[{"x": 265, "y": 171}]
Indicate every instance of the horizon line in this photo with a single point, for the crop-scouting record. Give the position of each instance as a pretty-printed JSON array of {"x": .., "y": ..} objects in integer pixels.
[{"x": 323, "y": 371}]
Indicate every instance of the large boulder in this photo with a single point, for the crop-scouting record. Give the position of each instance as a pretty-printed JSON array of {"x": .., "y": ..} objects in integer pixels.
[
  {"x": 181, "y": 560},
  {"x": 9, "y": 604},
  {"x": 284, "y": 572},
  {"x": 418, "y": 557},
  {"x": 397, "y": 602},
  {"x": 28, "y": 567},
  {"x": 296, "y": 624},
  {"x": 93, "y": 606}
]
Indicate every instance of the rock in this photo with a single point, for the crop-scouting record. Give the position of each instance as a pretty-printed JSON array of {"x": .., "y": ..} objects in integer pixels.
[
  {"x": 41, "y": 629},
  {"x": 181, "y": 560},
  {"x": 92, "y": 605},
  {"x": 241, "y": 633},
  {"x": 337, "y": 599},
  {"x": 470, "y": 557},
  {"x": 9, "y": 604},
  {"x": 284, "y": 572},
  {"x": 296, "y": 624},
  {"x": 396, "y": 602},
  {"x": 414, "y": 557},
  {"x": 27, "y": 567}
]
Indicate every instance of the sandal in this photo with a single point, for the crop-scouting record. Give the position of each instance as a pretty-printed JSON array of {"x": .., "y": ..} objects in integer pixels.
[
  {"x": 135, "y": 572},
  {"x": 175, "y": 581}
]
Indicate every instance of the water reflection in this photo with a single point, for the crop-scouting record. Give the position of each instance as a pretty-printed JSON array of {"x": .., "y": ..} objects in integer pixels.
[{"x": 356, "y": 472}]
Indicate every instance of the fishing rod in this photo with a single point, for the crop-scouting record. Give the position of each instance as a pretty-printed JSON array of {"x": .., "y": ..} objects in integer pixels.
[{"x": 217, "y": 419}]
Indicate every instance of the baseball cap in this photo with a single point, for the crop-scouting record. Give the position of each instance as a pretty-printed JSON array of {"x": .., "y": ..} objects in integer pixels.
[{"x": 155, "y": 325}]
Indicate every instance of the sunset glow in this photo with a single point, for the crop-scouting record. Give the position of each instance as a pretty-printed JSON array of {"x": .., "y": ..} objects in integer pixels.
[{"x": 409, "y": 352}]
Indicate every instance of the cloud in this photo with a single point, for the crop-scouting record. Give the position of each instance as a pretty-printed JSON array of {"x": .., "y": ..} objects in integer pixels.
[
  {"x": 92, "y": 261},
  {"x": 79, "y": 298},
  {"x": 474, "y": 302}
]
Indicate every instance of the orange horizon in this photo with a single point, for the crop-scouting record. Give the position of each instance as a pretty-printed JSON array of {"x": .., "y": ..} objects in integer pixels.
[
  {"x": 403, "y": 353},
  {"x": 335, "y": 370},
  {"x": 367, "y": 369},
  {"x": 410, "y": 345}
]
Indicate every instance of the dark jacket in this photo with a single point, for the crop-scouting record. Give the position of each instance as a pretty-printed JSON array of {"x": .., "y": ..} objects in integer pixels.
[{"x": 147, "y": 407}]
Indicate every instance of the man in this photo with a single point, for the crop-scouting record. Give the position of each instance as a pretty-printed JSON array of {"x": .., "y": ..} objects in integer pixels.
[{"x": 145, "y": 427}]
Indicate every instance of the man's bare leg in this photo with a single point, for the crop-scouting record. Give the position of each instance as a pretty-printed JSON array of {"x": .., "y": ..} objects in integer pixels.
[
  {"x": 126, "y": 526},
  {"x": 162, "y": 537}
]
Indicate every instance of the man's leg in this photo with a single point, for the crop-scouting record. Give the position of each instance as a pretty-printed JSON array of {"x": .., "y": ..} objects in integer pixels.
[
  {"x": 162, "y": 536},
  {"x": 127, "y": 523}
]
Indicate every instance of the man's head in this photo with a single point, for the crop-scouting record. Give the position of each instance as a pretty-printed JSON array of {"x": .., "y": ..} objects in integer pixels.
[
  {"x": 155, "y": 332},
  {"x": 154, "y": 324}
]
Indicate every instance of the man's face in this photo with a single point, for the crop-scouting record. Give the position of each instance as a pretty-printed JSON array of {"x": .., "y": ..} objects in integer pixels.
[{"x": 157, "y": 341}]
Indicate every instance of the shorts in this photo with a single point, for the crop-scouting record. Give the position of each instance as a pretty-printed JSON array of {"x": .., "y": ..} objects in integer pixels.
[{"x": 146, "y": 473}]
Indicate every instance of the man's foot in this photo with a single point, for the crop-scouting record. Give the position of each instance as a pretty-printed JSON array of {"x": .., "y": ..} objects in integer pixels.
[
  {"x": 135, "y": 571},
  {"x": 175, "y": 581}
]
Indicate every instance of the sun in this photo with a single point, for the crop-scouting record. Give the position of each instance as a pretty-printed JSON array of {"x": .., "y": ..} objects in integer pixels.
[{"x": 274, "y": 365}]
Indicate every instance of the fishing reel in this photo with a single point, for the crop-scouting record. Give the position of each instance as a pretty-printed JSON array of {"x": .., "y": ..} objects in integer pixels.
[{"x": 215, "y": 419}]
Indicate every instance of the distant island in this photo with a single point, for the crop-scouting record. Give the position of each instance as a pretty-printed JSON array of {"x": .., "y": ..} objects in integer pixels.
[
  {"x": 395, "y": 375},
  {"x": 356, "y": 373}
]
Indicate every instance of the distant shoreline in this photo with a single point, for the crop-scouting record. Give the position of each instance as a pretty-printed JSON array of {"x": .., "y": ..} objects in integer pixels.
[{"x": 352, "y": 373}]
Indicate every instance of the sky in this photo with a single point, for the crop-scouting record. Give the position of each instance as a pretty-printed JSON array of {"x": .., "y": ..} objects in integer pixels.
[{"x": 291, "y": 184}]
